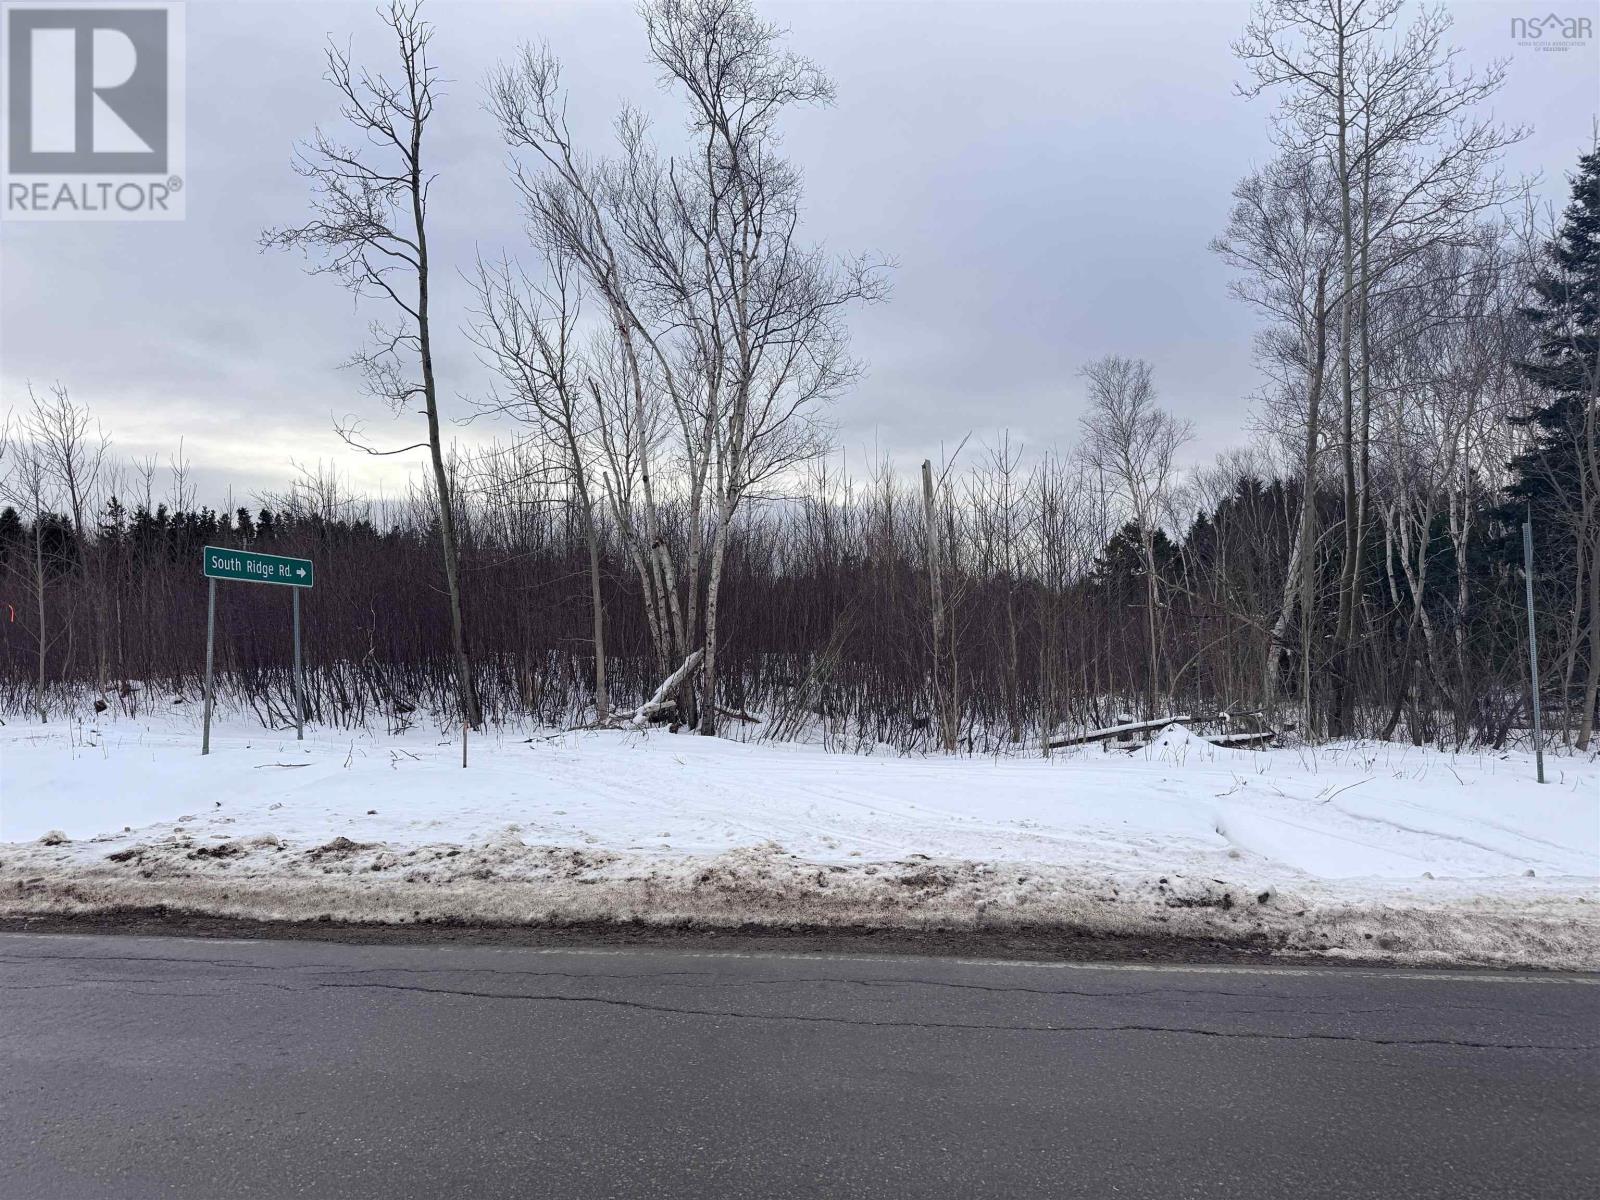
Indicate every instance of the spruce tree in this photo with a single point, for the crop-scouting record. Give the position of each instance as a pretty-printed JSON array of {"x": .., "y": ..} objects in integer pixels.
[
  {"x": 1557, "y": 479},
  {"x": 1564, "y": 317}
]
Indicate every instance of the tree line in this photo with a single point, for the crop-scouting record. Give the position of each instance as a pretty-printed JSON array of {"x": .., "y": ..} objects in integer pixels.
[{"x": 669, "y": 506}]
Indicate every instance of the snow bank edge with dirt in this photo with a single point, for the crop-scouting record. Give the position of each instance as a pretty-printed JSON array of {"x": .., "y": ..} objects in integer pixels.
[{"x": 1555, "y": 925}]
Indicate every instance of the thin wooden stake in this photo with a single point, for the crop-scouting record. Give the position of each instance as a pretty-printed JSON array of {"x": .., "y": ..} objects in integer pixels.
[{"x": 1533, "y": 645}]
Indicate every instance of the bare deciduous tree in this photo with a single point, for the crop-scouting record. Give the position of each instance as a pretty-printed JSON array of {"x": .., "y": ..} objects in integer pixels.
[
  {"x": 1133, "y": 443},
  {"x": 1282, "y": 234},
  {"x": 721, "y": 311},
  {"x": 370, "y": 226},
  {"x": 1414, "y": 165},
  {"x": 528, "y": 334}
]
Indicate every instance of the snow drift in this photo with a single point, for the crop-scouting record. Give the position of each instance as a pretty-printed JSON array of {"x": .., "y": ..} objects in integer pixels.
[{"x": 1379, "y": 851}]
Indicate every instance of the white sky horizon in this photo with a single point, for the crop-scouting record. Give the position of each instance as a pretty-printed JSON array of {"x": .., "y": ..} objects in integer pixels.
[{"x": 1047, "y": 176}]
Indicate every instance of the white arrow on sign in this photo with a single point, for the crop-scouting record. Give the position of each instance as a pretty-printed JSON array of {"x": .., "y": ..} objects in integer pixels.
[{"x": 301, "y": 572}]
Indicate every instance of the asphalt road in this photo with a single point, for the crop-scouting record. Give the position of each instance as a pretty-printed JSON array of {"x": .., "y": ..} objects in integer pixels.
[{"x": 134, "y": 1067}]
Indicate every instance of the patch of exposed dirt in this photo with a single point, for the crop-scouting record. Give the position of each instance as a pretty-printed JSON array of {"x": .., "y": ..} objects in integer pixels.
[{"x": 340, "y": 847}]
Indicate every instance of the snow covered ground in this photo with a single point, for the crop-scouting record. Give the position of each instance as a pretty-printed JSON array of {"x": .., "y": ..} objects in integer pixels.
[{"x": 1376, "y": 850}]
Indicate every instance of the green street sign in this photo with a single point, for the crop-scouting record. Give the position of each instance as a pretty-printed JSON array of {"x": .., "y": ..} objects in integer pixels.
[{"x": 217, "y": 562}]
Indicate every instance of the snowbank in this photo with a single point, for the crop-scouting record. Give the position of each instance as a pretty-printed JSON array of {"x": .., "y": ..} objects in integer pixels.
[{"x": 1374, "y": 850}]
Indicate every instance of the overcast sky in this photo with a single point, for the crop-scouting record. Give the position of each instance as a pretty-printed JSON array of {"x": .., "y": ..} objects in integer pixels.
[{"x": 1047, "y": 176}]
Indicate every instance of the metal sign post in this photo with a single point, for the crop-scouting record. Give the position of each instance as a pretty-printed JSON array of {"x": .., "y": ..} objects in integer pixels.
[
  {"x": 1533, "y": 645},
  {"x": 247, "y": 566},
  {"x": 299, "y": 679},
  {"x": 211, "y": 646}
]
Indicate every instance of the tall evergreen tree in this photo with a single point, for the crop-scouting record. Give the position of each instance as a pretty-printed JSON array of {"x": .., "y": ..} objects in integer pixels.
[
  {"x": 1557, "y": 478},
  {"x": 1564, "y": 314}
]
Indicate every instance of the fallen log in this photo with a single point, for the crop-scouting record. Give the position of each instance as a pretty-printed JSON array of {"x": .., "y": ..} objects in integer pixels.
[
  {"x": 1114, "y": 731},
  {"x": 1242, "y": 739},
  {"x": 1247, "y": 741},
  {"x": 640, "y": 716}
]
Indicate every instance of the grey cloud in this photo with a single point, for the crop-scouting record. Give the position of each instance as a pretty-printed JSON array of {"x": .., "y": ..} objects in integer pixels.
[{"x": 1047, "y": 176}]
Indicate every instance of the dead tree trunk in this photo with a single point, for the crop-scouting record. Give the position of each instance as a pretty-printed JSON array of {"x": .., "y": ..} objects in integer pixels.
[{"x": 943, "y": 699}]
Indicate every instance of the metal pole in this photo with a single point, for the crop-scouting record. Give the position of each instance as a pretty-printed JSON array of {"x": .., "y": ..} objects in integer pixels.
[
  {"x": 1533, "y": 644},
  {"x": 299, "y": 677},
  {"x": 211, "y": 645}
]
